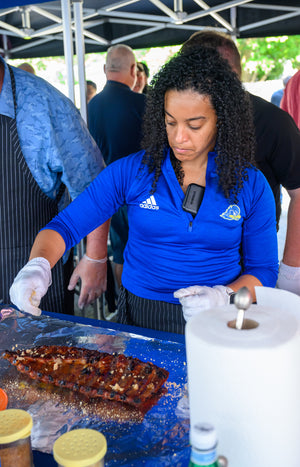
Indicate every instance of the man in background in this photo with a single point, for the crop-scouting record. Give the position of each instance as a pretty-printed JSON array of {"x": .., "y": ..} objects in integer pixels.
[
  {"x": 45, "y": 147},
  {"x": 27, "y": 67},
  {"x": 115, "y": 120},
  {"x": 277, "y": 154}
]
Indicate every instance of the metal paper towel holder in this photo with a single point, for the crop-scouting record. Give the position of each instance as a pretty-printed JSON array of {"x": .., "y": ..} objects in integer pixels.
[{"x": 242, "y": 301}]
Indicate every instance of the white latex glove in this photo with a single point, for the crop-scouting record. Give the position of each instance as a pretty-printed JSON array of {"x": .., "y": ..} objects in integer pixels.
[
  {"x": 30, "y": 285},
  {"x": 289, "y": 278},
  {"x": 93, "y": 275},
  {"x": 198, "y": 298}
]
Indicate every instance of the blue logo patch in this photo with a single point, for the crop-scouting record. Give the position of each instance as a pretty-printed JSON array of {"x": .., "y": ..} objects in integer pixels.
[{"x": 232, "y": 213}]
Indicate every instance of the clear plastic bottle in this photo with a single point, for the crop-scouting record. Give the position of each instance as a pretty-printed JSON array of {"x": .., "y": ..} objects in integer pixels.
[
  {"x": 80, "y": 448},
  {"x": 15, "y": 442},
  {"x": 203, "y": 439}
]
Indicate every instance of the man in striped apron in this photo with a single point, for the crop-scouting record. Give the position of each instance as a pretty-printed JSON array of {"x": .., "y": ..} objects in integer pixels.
[{"x": 24, "y": 207}]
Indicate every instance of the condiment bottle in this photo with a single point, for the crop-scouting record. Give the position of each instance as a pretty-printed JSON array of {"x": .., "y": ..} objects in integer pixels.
[
  {"x": 80, "y": 448},
  {"x": 203, "y": 439},
  {"x": 15, "y": 443}
]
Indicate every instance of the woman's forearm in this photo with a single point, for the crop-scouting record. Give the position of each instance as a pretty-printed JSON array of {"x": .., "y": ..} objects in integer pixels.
[
  {"x": 50, "y": 245},
  {"x": 291, "y": 256}
]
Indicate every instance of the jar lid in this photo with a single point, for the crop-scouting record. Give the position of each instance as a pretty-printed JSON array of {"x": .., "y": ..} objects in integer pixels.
[
  {"x": 14, "y": 424},
  {"x": 203, "y": 436},
  {"x": 3, "y": 399},
  {"x": 79, "y": 448}
]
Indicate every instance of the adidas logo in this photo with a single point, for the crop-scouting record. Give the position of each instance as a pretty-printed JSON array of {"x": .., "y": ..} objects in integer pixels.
[{"x": 150, "y": 203}]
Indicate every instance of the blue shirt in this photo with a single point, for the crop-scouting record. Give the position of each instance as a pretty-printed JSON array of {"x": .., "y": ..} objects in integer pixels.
[
  {"x": 276, "y": 97},
  {"x": 55, "y": 141},
  {"x": 167, "y": 249}
]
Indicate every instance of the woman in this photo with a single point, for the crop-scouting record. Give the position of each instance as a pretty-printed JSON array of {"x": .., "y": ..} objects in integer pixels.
[
  {"x": 197, "y": 129},
  {"x": 141, "y": 78}
]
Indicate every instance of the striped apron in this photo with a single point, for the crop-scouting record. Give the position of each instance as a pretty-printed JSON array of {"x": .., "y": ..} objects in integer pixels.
[
  {"x": 151, "y": 314},
  {"x": 24, "y": 210}
]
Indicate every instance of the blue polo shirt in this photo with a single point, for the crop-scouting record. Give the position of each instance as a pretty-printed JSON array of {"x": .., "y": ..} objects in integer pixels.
[{"x": 167, "y": 249}]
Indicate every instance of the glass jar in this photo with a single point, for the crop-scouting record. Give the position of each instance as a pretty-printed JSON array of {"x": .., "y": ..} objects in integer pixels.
[
  {"x": 15, "y": 442},
  {"x": 80, "y": 448}
]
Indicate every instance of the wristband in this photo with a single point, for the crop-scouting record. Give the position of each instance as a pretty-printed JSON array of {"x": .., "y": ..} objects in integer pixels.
[{"x": 103, "y": 260}]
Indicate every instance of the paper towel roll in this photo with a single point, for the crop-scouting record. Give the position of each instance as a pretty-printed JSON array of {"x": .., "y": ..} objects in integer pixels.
[{"x": 247, "y": 384}]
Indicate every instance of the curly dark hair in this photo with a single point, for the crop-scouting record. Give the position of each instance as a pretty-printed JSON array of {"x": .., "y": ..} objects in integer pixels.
[{"x": 203, "y": 71}]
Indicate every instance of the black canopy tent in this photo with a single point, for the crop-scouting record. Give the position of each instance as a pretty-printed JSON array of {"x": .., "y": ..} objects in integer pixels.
[{"x": 37, "y": 28}]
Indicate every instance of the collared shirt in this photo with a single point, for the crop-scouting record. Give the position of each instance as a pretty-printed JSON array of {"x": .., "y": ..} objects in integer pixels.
[
  {"x": 55, "y": 141},
  {"x": 167, "y": 249}
]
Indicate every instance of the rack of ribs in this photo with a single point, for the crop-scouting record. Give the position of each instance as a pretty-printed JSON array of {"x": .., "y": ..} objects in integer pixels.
[{"x": 95, "y": 374}]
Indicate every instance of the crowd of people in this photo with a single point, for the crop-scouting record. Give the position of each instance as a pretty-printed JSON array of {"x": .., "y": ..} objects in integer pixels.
[{"x": 193, "y": 133}]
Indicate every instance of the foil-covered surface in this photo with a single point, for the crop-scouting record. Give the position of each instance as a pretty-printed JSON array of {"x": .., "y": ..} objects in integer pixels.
[{"x": 159, "y": 438}]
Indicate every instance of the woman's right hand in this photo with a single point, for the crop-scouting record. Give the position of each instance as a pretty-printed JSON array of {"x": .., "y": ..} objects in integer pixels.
[{"x": 30, "y": 285}]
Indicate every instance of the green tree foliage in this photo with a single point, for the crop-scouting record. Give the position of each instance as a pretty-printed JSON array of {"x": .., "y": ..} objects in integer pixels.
[{"x": 264, "y": 58}]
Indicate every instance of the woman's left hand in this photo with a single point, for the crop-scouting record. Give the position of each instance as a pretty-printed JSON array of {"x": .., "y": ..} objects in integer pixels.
[
  {"x": 289, "y": 278},
  {"x": 198, "y": 298}
]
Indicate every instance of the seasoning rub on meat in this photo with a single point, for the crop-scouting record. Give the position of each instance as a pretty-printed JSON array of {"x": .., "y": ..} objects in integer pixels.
[{"x": 95, "y": 374}]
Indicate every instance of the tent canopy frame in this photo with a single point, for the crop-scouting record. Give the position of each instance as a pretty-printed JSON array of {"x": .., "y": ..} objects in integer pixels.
[{"x": 145, "y": 24}]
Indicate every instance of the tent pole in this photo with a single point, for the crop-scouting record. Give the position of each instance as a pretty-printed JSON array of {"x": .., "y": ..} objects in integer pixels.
[
  {"x": 5, "y": 46},
  {"x": 233, "y": 18},
  {"x": 80, "y": 52},
  {"x": 68, "y": 46}
]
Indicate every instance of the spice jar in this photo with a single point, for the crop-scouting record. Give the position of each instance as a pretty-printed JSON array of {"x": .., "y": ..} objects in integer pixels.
[
  {"x": 15, "y": 443},
  {"x": 80, "y": 448}
]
